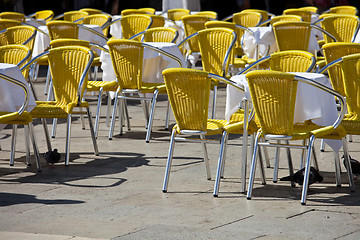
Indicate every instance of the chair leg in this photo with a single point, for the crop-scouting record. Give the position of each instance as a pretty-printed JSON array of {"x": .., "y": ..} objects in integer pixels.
[
  {"x": 276, "y": 163},
  {"x": 151, "y": 118},
  {"x": 244, "y": 161},
  {"x": 46, "y": 132},
  {"x": 82, "y": 120},
  {"x": 214, "y": 102},
  {"x": 253, "y": 166},
  {"x": 169, "y": 160},
  {"x": 322, "y": 146},
  {"x": 97, "y": 117},
  {"x": 121, "y": 115},
  {"x": 291, "y": 168},
  {"x": 35, "y": 147},
  {"x": 127, "y": 115},
  {"x": 220, "y": 163},
  {"x": 307, "y": 171},
  {"x": 167, "y": 120},
  {"x": 47, "y": 82},
  {"x": 13, "y": 144},
  {"x": 262, "y": 169},
  {"x": 54, "y": 126},
  {"x": 316, "y": 165},
  {"x": 337, "y": 169},
  {"x": 146, "y": 111},
  {"x": 348, "y": 165},
  {"x": 108, "y": 110},
  {"x": 91, "y": 126},
  {"x": 302, "y": 155},
  {"x": 206, "y": 158},
  {"x": 68, "y": 133},
  {"x": 113, "y": 117},
  {"x": 350, "y": 138},
  {"x": 266, "y": 154},
  {"x": 27, "y": 145}
]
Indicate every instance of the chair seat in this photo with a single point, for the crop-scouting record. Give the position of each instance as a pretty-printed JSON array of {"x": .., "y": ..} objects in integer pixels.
[
  {"x": 351, "y": 123},
  {"x": 214, "y": 126},
  {"x": 106, "y": 85},
  {"x": 236, "y": 124},
  {"x": 306, "y": 129},
  {"x": 52, "y": 110},
  {"x": 14, "y": 118},
  {"x": 151, "y": 87},
  {"x": 244, "y": 61}
]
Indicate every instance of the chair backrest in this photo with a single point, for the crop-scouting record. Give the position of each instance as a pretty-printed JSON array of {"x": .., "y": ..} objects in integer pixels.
[
  {"x": 134, "y": 23},
  {"x": 188, "y": 91},
  {"x": 175, "y": 14},
  {"x": 247, "y": 19},
  {"x": 351, "y": 77},
  {"x": 6, "y": 23},
  {"x": 193, "y": 24},
  {"x": 148, "y": 10},
  {"x": 160, "y": 34},
  {"x": 13, "y": 15},
  {"x": 285, "y": 18},
  {"x": 157, "y": 21},
  {"x": 61, "y": 42},
  {"x": 98, "y": 19},
  {"x": 15, "y": 54},
  {"x": 292, "y": 61},
  {"x": 273, "y": 96},
  {"x": 127, "y": 59},
  {"x": 210, "y": 14},
  {"x": 91, "y": 11},
  {"x": 46, "y": 15},
  {"x": 73, "y": 16},
  {"x": 62, "y": 29},
  {"x": 344, "y": 10},
  {"x": 68, "y": 65},
  {"x": 342, "y": 27},
  {"x": 232, "y": 26},
  {"x": 336, "y": 50},
  {"x": 127, "y": 12},
  {"x": 264, "y": 14},
  {"x": 304, "y": 14},
  {"x": 292, "y": 35},
  {"x": 312, "y": 9},
  {"x": 18, "y": 35},
  {"x": 215, "y": 46}
]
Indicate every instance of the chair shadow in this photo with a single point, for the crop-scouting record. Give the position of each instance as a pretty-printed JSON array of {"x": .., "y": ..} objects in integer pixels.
[{"x": 9, "y": 199}]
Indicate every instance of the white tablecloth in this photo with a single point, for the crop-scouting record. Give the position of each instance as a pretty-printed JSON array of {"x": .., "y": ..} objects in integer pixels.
[
  {"x": 42, "y": 41},
  {"x": 153, "y": 65},
  {"x": 264, "y": 37},
  {"x": 311, "y": 102},
  {"x": 12, "y": 96}
]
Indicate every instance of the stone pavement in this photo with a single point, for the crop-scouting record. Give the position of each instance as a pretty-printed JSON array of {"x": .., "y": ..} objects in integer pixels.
[{"x": 117, "y": 195}]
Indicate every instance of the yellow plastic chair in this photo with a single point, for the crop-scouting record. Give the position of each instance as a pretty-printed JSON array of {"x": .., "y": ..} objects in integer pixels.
[
  {"x": 189, "y": 91},
  {"x": 276, "y": 117},
  {"x": 176, "y": 14},
  {"x": 16, "y": 54},
  {"x": 69, "y": 67},
  {"x": 46, "y": 15},
  {"x": 287, "y": 61},
  {"x": 75, "y": 16},
  {"x": 127, "y": 12},
  {"x": 6, "y": 23},
  {"x": 20, "y": 117},
  {"x": 62, "y": 29},
  {"x": 91, "y": 11},
  {"x": 13, "y": 15},
  {"x": 216, "y": 46},
  {"x": 160, "y": 34},
  {"x": 292, "y": 35},
  {"x": 342, "y": 27},
  {"x": 304, "y": 14},
  {"x": 210, "y": 14},
  {"x": 312, "y": 9},
  {"x": 148, "y": 10},
  {"x": 193, "y": 24},
  {"x": 157, "y": 21},
  {"x": 127, "y": 59},
  {"x": 99, "y": 19},
  {"x": 285, "y": 18},
  {"x": 134, "y": 23},
  {"x": 265, "y": 15},
  {"x": 18, "y": 35},
  {"x": 344, "y": 10}
]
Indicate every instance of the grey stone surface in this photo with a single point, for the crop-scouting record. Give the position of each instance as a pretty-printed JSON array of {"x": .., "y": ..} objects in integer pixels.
[{"x": 117, "y": 195}]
